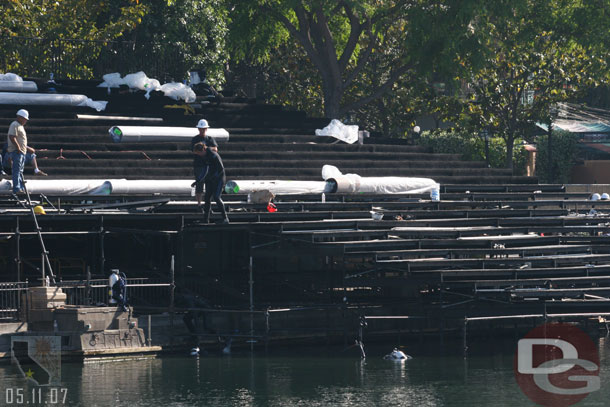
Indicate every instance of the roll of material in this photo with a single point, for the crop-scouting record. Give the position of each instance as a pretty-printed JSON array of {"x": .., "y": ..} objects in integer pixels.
[
  {"x": 15, "y": 86},
  {"x": 354, "y": 183},
  {"x": 344, "y": 184},
  {"x": 102, "y": 187},
  {"x": 48, "y": 99},
  {"x": 278, "y": 187},
  {"x": 130, "y": 134},
  {"x": 62, "y": 187}
]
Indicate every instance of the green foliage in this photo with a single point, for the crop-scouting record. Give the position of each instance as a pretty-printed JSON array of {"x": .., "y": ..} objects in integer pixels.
[
  {"x": 360, "y": 50},
  {"x": 472, "y": 147},
  {"x": 83, "y": 25},
  {"x": 286, "y": 80},
  {"x": 79, "y": 19},
  {"x": 193, "y": 30},
  {"x": 190, "y": 32},
  {"x": 563, "y": 151},
  {"x": 530, "y": 57}
]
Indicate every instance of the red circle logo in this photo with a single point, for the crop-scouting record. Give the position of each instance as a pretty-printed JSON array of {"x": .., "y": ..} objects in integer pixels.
[{"x": 557, "y": 365}]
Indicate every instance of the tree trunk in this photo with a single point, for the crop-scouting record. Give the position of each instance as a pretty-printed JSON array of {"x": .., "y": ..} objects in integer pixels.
[{"x": 332, "y": 100}]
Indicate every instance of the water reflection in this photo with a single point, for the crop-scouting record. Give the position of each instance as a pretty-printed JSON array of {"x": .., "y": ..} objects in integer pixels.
[{"x": 310, "y": 379}]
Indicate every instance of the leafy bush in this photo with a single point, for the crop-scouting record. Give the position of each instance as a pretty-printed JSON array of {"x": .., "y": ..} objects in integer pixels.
[
  {"x": 472, "y": 147},
  {"x": 563, "y": 152}
]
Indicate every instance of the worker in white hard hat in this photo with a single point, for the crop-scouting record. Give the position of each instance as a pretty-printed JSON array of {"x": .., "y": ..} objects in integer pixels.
[
  {"x": 30, "y": 155},
  {"x": 18, "y": 150},
  {"x": 198, "y": 159}
]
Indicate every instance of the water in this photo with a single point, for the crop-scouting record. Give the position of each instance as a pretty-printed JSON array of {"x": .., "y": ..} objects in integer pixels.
[{"x": 305, "y": 377}]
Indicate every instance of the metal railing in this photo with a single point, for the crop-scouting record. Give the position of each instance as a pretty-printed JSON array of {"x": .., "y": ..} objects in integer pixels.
[
  {"x": 10, "y": 300},
  {"x": 140, "y": 291},
  {"x": 88, "y": 59}
]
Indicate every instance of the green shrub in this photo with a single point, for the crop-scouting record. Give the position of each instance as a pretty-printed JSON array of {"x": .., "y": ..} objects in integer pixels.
[
  {"x": 563, "y": 146},
  {"x": 472, "y": 148}
]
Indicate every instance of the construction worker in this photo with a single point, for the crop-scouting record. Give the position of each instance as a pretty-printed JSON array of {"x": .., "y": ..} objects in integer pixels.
[
  {"x": 213, "y": 176},
  {"x": 18, "y": 150},
  {"x": 198, "y": 160}
]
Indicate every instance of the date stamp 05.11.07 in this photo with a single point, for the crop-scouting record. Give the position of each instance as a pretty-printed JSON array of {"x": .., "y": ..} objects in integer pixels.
[{"x": 35, "y": 396}]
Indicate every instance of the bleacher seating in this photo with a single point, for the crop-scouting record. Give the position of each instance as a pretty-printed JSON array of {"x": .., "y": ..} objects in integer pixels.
[
  {"x": 266, "y": 142},
  {"x": 495, "y": 239}
]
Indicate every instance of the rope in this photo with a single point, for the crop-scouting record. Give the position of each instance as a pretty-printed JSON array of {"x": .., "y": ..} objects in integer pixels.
[{"x": 188, "y": 109}]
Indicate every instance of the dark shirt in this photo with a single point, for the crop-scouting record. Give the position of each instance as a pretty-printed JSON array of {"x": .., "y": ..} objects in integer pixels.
[
  {"x": 199, "y": 161},
  {"x": 214, "y": 170}
]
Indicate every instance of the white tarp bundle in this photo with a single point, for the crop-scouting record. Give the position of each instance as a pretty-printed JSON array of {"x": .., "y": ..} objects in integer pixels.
[
  {"x": 159, "y": 133},
  {"x": 178, "y": 91},
  {"x": 139, "y": 80},
  {"x": 13, "y": 98},
  {"x": 102, "y": 186},
  {"x": 277, "y": 187},
  {"x": 338, "y": 130},
  {"x": 11, "y": 82},
  {"x": 112, "y": 80},
  {"x": 378, "y": 185}
]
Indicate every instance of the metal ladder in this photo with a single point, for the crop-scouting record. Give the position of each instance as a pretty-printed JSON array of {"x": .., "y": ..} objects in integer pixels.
[{"x": 46, "y": 264}]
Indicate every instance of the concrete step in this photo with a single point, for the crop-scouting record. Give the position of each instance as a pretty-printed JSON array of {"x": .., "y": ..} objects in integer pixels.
[{"x": 236, "y": 158}]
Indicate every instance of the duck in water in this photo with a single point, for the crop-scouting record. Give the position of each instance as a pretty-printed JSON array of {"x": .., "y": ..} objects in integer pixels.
[{"x": 397, "y": 355}]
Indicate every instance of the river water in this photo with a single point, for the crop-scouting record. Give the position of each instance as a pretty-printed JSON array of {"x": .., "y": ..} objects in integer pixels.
[{"x": 300, "y": 377}]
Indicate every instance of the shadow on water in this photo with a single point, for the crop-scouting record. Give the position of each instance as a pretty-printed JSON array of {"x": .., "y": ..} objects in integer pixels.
[{"x": 306, "y": 376}]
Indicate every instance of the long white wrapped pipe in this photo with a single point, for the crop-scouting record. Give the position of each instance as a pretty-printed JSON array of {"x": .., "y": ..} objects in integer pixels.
[
  {"x": 55, "y": 99},
  {"x": 61, "y": 186},
  {"x": 167, "y": 187},
  {"x": 277, "y": 187},
  {"x": 122, "y": 118},
  {"x": 158, "y": 133},
  {"x": 102, "y": 187},
  {"x": 378, "y": 185},
  {"x": 16, "y": 86}
]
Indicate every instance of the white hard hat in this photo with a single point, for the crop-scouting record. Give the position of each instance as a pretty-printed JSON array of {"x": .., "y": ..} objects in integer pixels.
[
  {"x": 605, "y": 196},
  {"x": 23, "y": 113},
  {"x": 203, "y": 124},
  {"x": 595, "y": 197}
]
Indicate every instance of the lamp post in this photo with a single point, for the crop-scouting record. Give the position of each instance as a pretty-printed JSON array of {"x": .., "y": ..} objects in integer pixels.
[
  {"x": 416, "y": 132},
  {"x": 551, "y": 164},
  {"x": 485, "y": 134}
]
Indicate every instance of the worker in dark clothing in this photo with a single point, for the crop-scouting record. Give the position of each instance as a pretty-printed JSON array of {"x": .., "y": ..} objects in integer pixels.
[
  {"x": 213, "y": 177},
  {"x": 199, "y": 160}
]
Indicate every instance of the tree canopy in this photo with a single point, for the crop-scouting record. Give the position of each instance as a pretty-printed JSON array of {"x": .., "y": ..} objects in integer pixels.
[
  {"x": 529, "y": 57},
  {"x": 495, "y": 65},
  {"x": 360, "y": 49}
]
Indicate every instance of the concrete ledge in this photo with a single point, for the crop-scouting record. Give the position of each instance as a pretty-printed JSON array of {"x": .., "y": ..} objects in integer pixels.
[{"x": 118, "y": 351}]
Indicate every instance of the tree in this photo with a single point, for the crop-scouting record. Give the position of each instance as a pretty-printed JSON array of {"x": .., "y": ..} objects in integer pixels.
[
  {"x": 193, "y": 31},
  {"x": 81, "y": 19},
  {"x": 532, "y": 57},
  {"x": 342, "y": 38},
  {"x": 30, "y": 28}
]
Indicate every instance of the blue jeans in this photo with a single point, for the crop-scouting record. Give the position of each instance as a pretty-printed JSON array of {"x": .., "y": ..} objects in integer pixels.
[{"x": 18, "y": 163}]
